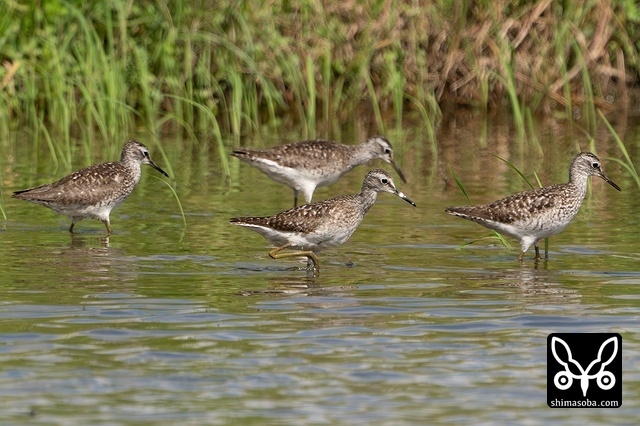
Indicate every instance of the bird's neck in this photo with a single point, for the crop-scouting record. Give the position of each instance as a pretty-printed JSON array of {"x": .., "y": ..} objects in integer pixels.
[
  {"x": 367, "y": 198},
  {"x": 579, "y": 183},
  {"x": 575, "y": 191},
  {"x": 133, "y": 167},
  {"x": 362, "y": 154}
]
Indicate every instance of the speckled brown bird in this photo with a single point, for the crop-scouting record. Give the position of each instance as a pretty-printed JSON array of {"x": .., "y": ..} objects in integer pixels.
[
  {"x": 541, "y": 213},
  {"x": 324, "y": 224},
  {"x": 95, "y": 190},
  {"x": 307, "y": 165}
]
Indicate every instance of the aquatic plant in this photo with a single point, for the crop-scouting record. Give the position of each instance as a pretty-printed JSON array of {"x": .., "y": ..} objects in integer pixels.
[
  {"x": 87, "y": 67},
  {"x": 627, "y": 164}
]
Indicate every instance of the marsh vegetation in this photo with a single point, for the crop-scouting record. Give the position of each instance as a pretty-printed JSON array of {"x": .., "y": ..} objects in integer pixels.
[{"x": 230, "y": 67}]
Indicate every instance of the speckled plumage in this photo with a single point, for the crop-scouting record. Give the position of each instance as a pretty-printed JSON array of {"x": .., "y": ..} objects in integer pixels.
[
  {"x": 95, "y": 190},
  {"x": 307, "y": 165},
  {"x": 323, "y": 224},
  {"x": 541, "y": 213}
]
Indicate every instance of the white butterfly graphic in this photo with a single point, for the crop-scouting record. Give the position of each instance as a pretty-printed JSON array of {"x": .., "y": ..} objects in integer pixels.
[{"x": 564, "y": 379}]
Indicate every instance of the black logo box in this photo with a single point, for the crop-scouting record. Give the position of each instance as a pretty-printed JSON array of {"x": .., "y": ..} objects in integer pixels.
[{"x": 584, "y": 370}]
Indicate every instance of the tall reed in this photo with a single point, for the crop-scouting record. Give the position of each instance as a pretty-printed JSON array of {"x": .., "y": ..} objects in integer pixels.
[
  {"x": 627, "y": 164},
  {"x": 111, "y": 67}
]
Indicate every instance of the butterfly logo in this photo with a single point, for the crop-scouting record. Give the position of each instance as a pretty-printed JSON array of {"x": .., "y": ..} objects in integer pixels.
[{"x": 564, "y": 379}]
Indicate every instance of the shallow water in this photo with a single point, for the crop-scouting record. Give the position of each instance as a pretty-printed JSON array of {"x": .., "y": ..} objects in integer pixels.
[{"x": 159, "y": 325}]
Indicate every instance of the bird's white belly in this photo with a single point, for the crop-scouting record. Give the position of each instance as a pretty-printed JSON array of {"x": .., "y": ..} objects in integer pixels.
[
  {"x": 98, "y": 211},
  {"x": 297, "y": 178},
  {"x": 535, "y": 229}
]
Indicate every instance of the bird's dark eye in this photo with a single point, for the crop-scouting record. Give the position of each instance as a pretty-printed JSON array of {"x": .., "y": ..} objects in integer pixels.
[
  {"x": 384, "y": 180},
  {"x": 387, "y": 151},
  {"x": 595, "y": 165}
]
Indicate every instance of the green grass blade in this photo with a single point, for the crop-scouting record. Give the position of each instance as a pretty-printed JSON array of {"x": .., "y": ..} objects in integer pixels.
[
  {"x": 496, "y": 234},
  {"x": 455, "y": 178},
  {"x": 629, "y": 164},
  {"x": 373, "y": 99},
  {"x": 508, "y": 163},
  {"x": 537, "y": 179},
  {"x": 311, "y": 101},
  {"x": 629, "y": 167},
  {"x": 175, "y": 194},
  {"x": 216, "y": 131},
  {"x": 4, "y": 215}
]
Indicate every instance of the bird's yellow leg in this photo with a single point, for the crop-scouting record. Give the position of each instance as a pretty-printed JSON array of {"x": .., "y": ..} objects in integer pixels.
[
  {"x": 107, "y": 223},
  {"x": 74, "y": 220},
  {"x": 521, "y": 257},
  {"x": 275, "y": 254}
]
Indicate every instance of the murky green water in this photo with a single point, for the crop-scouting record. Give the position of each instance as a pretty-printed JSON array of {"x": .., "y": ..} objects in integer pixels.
[{"x": 162, "y": 325}]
